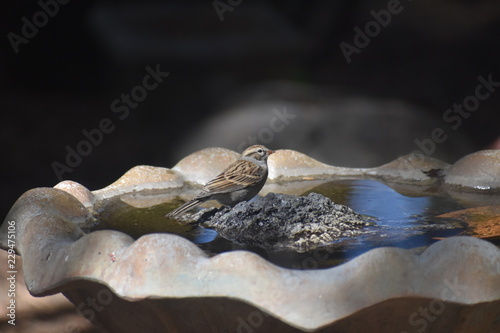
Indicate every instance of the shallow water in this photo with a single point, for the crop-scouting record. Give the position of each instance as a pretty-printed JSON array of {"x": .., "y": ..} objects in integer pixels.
[{"x": 400, "y": 220}]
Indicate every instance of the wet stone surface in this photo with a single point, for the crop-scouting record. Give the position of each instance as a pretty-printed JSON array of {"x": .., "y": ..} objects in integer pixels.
[{"x": 280, "y": 221}]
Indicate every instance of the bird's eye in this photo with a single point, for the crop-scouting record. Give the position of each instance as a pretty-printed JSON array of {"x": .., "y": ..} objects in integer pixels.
[{"x": 260, "y": 151}]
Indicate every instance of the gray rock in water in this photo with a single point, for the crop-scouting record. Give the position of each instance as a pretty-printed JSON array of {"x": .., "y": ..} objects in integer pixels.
[{"x": 279, "y": 221}]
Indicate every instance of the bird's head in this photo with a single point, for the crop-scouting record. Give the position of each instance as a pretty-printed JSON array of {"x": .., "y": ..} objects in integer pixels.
[{"x": 257, "y": 152}]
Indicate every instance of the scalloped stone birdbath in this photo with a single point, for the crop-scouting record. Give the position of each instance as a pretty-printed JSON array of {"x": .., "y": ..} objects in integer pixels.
[{"x": 128, "y": 269}]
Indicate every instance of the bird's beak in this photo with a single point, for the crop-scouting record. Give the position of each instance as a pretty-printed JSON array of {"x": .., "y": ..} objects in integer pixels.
[{"x": 271, "y": 151}]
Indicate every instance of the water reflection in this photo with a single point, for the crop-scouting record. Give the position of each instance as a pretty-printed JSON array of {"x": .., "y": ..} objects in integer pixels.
[
  {"x": 376, "y": 199},
  {"x": 403, "y": 220}
]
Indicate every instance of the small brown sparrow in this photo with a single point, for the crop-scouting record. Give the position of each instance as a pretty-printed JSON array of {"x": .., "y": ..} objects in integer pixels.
[{"x": 241, "y": 181}]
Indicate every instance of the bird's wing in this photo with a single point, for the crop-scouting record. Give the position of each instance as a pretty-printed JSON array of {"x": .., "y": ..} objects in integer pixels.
[{"x": 238, "y": 175}]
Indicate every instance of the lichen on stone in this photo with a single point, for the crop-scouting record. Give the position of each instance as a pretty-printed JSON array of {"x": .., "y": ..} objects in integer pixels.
[{"x": 280, "y": 221}]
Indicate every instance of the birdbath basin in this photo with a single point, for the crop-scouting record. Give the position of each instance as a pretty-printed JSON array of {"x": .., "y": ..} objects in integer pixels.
[{"x": 126, "y": 268}]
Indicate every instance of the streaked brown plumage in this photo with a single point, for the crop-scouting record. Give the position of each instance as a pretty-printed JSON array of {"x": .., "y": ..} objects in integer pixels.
[{"x": 240, "y": 181}]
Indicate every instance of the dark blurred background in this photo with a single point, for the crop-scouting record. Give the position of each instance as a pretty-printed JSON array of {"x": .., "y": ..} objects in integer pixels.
[{"x": 232, "y": 63}]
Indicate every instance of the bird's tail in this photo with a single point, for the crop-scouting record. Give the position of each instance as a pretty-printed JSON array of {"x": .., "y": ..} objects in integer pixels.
[{"x": 184, "y": 208}]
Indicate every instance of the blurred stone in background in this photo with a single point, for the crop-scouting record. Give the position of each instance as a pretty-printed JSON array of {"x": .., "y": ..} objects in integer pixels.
[{"x": 330, "y": 125}]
